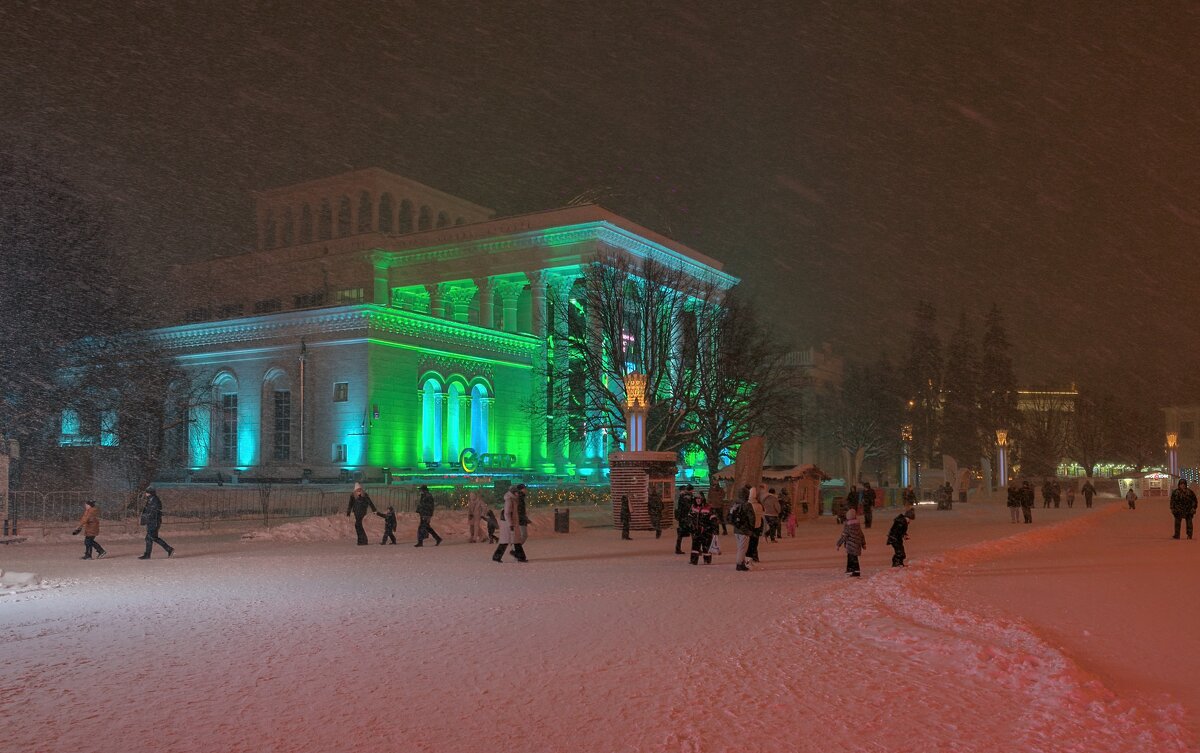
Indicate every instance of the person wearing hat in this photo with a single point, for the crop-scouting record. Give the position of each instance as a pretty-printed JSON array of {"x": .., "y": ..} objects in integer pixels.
[
  {"x": 89, "y": 524},
  {"x": 1183, "y": 506},
  {"x": 511, "y": 530},
  {"x": 359, "y": 503},
  {"x": 855, "y": 542},
  {"x": 899, "y": 534},
  {"x": 683, "y": 508},
  {"x": 152, "y": 518},
  {"x": 425, "y": 507}
]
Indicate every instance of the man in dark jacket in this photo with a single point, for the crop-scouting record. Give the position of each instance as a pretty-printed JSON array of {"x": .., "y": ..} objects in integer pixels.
[
  {"x": 1014, "y": 502},
  {"x": 683, "y": 508},
  {"x": 425, "y": 507},
  {"x": 1183, "y": 506},
  {"x": 654, "y": 508},
  {"x": 868, "y": 503},
  {"x": 1089, "y": 491},
  {"x": 897, "y": 535},
  {"x": 1027, "y": 500},
  {"x": 626, "y": 517},
  {"x": 358, "y": 504},
  {"x": 152, "y": 519}
]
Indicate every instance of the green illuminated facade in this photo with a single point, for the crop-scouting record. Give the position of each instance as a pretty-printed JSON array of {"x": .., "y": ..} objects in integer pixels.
[{"x": 359, "y": 338}]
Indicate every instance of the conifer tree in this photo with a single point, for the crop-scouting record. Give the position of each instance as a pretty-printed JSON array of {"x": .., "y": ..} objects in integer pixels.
[
  {"x": 923, "y": 380},
  {"x": 961, "y": 416},
  {"x": 997, "y": 383}
]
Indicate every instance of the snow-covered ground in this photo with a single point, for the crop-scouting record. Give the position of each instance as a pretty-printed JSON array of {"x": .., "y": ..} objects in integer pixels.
[{"x": 1072, "y": 634}]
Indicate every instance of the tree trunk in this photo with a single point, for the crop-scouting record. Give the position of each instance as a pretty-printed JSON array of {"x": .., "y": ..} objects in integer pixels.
[{"x": 748, "y": 470}]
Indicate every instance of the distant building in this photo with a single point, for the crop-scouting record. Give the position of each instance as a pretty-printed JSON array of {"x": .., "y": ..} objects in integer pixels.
[
  {"x": 823, "y": 370},
  {"x": 1181, "y": 421},
  {"x": 380, "y": 323}
]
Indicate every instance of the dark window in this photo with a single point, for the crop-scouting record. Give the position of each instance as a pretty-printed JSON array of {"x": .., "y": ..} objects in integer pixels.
[
  {"x": 230, "y": 310},
  {"x": 197, "y": 315},
  {"x": 325, "y": 222},
  {"x": 339, "y": 453},
  {"x": 341, "y": 392},
  {"x": 283, "y": 425},
  {"x": 458, "y": 220},
  {"x": 365, "y": 205},
  {"x": 306, "y": 228},
  {"x": 308, "y": 300},
  {"x": 267, "y": 306},
  {"x": 229, "y": 427},
  {"x": 386, "y": 218},
  {"x": 425, "y": 219},
  {"x": 343, "y": 228},
  {"x": 406, "y": 217},
  {"x": 269, "y": 229},
  {"x": 289, "y": 229},
  {"x": 348, "y": 295},
  {"x": 443, "y": 219}
]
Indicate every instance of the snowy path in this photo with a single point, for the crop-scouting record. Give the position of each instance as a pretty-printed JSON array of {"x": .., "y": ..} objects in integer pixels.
[{"x": 596, "y": 645}]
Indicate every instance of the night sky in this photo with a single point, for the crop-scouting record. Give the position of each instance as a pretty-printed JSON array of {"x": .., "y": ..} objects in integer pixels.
[{"x": 844, "y": 159}]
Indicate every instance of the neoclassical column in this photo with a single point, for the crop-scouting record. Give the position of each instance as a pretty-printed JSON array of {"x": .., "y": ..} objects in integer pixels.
[
  {"x": 382, "y": 294},
  {"x": 486, "y": 287},
  {"x": 435, "y": 300},
  {"x": 537, "y": 318},
  {"x": 559, "y": 287},
  {"x": 460, "y": 296},
  {"x": 510, "y": 294}
]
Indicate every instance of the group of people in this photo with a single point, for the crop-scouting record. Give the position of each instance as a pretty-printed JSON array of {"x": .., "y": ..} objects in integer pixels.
[
  {"x": 151, "y": 518},
  {"x": 479, "y": 515},
  {"x": 1020, "y": 498}
]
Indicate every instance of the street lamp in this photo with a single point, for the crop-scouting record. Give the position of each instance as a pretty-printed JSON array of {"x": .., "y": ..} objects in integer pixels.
[
  {"x": 1002, "y": 457},
  {"x": 1173, "y": 453},
  {"x": 905, "y": 460},
  {"x": 635, "y": 411}
]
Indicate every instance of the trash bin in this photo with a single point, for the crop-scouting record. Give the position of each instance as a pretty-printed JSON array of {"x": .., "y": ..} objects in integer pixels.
[{"x": 562, "y": 521}]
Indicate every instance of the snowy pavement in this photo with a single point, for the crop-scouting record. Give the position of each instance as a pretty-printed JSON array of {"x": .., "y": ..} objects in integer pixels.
[{"x": 301, "y": 641}]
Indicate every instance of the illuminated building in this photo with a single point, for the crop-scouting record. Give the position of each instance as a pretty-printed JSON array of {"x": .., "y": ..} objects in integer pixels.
[{"x": 380, "y": 324}]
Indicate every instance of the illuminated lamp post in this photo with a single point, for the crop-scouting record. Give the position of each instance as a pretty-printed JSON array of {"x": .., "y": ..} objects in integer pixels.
[
  {"x": 635, "y": 412},
  {"x": 905, "y": 460},
  {"x": 1001, "y": 458},
  {"x": 1173, "y": 454}
]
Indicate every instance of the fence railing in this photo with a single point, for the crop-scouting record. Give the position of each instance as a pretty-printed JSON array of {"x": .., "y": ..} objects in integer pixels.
[{"x": 44, "y": 512}]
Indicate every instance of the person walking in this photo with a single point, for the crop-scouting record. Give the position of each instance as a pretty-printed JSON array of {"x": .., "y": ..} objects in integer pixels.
[
  {"x": 508, "y": 526},
  {"x": 683, "y": 506},
  {"x": 358, "y": 504},
  {"x": 626, "y": 516},
  {"x": 909, "y": 497},
  {"x": 1014, "y": 503},
  {"x": 898, "y": 534},
  {"x": 1047, "y": 494},
  {"x": 476, "y": 512},
  {"x": 1088, "y": 491},
  {"x": 1056, "y": 490},
  {"x": 703, "y": 523},
  {"x": 760, "y": 520},
  {"x": 389, "y": 525},
  {"x": 522, "y": 530},
  {"x": 772, "y": 510},
  {"x": 787, "y": 513},
  {"x": 152, "y": 518},
  {"x": 425, "y": 506},
  {"x": 855, "y": 542},
  {"x": 1027, "y": 500},
  {"x": 654, "y": 509},
  {"x": 89, "y": 524},
  {"x": 1183, "y": 506},
  {"x": 852, "y": 499},
  {"x": 1070, "y": 497},
  {"x": 868, "y": 504},
  {"x": 741, "y": 517},
  {"x": 1131, "y": 497}
]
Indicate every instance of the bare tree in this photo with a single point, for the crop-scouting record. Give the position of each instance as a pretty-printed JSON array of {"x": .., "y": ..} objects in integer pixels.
[
  {"x": 863, "y": 413},
  {"x": 632, "y": 316},
  {"x": 1044, "y": 431},
  {"x": 1093, "y": 432},
  {"x": 742, "y": 385}
]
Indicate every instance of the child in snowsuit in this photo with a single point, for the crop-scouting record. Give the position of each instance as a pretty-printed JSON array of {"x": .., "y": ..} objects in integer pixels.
[
  {"x": 703, "y": 523},
  {"x": 897, "y": 535},
  {"x": 389, "y": 525},
  {"x": 855, "y": 542}
]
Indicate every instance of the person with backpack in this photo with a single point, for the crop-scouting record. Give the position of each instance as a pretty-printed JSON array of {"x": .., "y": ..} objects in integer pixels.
[
  {"x": 855, "y": 542},
  {"x": 152, "y": 518},
  {"x": 683, "y": 506},
  {"x": 89, "y": 524}
]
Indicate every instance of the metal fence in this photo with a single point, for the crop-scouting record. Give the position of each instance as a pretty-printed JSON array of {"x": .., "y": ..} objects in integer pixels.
[{"x": 45, "y": 512}]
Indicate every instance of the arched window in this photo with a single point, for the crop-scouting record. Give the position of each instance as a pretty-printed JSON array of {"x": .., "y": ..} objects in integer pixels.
[
  {"x": 454, "y": 422},
  {"x": 458, "y": 221},
  {"x": 269, "y": 229},
  {"x": 306, "y": 224},
  {"x": 365, "y": 207},
  {"x": 443, "y": 219},
  {"x": 276, "y": 419},
  {"x": 431, "y": 421},
  {"x": 480, "y": 417},
  {"x": 425, "y": 218},
  {"x": 343, "y": 218},
  {"x": 405, "y": 224},
  {"x": 289, "y": 229},
  {"x": 225, "y": 394},
  {"x": 385, "y": 213},
  {"x": 325, "y": 221}
]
